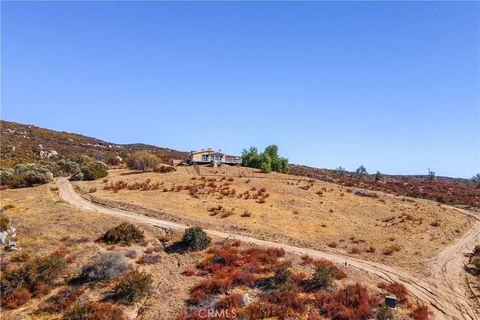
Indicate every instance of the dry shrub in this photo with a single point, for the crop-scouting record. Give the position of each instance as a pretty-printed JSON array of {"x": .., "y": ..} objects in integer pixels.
[
  {"x": 148, "y": 259},
  {"x": 351, "y": 303},
  {"x": 94, "y": 311},
  {"x": 306, "y": 259},
  {"x": 36, "y": 275},
  {"x": 92, "y": 190},
  {"x": 232, "y": 301},
  {"x": 231, "y": 267},
  {"x": 435, "y": 223},
  {"x": 61, "y": 300},
  {"x": 332, "y": 244},
  {"x": 124, "y": 234},
  {"x": 107, "y": 266},
  {"x": 355, "y": 250},
  {"x": 164, "y": 169},
  {"x": 16, "y": 298},
  {"x": 396, "y": 289},
  {"x": 336, "y": 271},
  {"x": 421, "y": 312},
  {"x": 371, "y": 249},
  {"x": 262, "y": 310},
  {"x": 246, "y": 214},
  {"x": 389, "y": 250}
]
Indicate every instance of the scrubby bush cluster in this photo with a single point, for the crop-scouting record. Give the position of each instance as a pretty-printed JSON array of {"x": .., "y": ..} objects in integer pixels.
[
  {"x": 124, "y": 234},
  {"x": 142, "y": 160},
  {"x": 267, "y": 161},
  {"x": 34, "y": 276},
  {"x": 280, "y": 292},
  {"x": 351, "y": 303},
  {"x": 141, "y": 186},
  {"x": 22, "y": 176},
  {"x": 28, "y": 175},
  {"x": 204, "y": 186},
  {"x": 460, "y": 192},
  {"x": 284, "y": 293}
]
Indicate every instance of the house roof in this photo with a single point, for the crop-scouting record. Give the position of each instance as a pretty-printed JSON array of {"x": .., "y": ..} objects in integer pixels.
[{"x": 208, "y": 151}]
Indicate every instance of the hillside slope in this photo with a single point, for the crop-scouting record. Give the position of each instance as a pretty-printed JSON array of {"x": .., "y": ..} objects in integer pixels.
[{"x": 22, "y": 143}]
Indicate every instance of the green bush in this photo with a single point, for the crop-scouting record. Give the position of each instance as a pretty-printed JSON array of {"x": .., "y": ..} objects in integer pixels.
[
  {"x": 95, "y": 170},
  {"x": 142, "y": 160},
  {"x": 22, "y": 176},
  {"x": 124, "y": 234},
  {"x": 133, "y": 287},
  {"x": 196, "y": 239}
]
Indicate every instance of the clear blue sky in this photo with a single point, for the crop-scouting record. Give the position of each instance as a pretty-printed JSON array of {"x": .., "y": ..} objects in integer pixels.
[{"x": 393, "y": 86}]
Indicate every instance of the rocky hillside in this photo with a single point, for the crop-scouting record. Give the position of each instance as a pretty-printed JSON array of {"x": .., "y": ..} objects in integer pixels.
[{"x": 22, "y": 143}]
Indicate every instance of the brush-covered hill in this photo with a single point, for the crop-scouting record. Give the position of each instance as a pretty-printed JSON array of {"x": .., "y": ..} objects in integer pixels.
[
  {"x": 21, "y": 143},
  {"x": 453, "y": 191}
]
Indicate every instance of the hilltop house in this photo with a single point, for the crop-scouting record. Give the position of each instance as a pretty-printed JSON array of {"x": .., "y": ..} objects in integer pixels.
[{"x": 212, "y": 157}]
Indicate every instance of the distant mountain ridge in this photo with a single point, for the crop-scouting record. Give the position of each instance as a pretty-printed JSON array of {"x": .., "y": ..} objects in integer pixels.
[{"x": 22, "y": 143}]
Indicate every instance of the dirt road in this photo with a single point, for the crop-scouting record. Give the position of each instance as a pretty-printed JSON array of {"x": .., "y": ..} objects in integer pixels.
[{"x": 443, "y": 290}]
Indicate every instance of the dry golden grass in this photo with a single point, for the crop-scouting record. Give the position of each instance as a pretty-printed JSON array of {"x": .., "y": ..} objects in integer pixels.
[
  {"x": 297, "y": 210},
  {"x": 45, "y": 223}
]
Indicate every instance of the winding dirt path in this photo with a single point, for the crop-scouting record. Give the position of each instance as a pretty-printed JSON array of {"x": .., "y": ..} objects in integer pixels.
[{"x": 443, "y": 290}]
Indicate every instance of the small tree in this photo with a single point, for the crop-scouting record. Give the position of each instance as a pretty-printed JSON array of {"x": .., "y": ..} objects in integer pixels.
[
  {"x": 142, "y": 160},
  {"x": 266, "y": 164},
  {"x": 196, "y": 239},
  {"x": 267, "y": 161},
  {"x": 431, "y": 175},
  {"x": 379, "y": 176},
  {"x": 476, "y": 180},
  {"x": 361, "y": 171}
]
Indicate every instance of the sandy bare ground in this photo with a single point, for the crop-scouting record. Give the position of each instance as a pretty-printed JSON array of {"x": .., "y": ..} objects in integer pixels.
[{"x": 443, "y": 289}]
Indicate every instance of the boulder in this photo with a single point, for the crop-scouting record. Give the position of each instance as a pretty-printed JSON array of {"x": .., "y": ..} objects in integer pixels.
[{"x": 3, "y": 237}]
